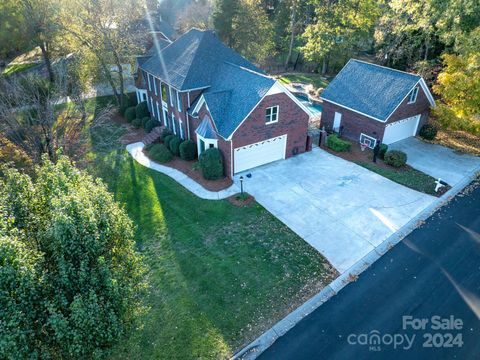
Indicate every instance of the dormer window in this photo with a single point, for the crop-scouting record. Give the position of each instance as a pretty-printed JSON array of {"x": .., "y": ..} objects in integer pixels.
[
  {"x": 271, "y": 115},
  {"x": 413, "y": 95}
]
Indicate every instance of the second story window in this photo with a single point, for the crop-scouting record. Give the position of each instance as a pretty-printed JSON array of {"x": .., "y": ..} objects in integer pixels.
[
  {"x": 170, "y": 96},
  {"x": 271, "y": 115},
  {"x": 155, "y": 85},
  {"x": 164, "y": 93},
  {"x": 413, "y": 96},
  {"x": 149, "y": 83}
]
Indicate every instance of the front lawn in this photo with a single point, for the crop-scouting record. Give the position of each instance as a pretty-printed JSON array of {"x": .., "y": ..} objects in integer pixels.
[
  {"x": 406, "y": 176},
  {"x": 219, "y": 275},
  {"x": 317, "y": 80}
]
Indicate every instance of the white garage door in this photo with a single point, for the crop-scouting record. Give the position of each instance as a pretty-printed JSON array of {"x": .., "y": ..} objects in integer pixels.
[
  {"x": 401, "y": 129},
  {"x": 250, "y": 156}
]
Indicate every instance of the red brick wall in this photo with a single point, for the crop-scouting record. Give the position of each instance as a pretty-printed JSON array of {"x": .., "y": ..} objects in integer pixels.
[
  {"x": 292, "y": 120},
  {"x": 354, "y": 123}
]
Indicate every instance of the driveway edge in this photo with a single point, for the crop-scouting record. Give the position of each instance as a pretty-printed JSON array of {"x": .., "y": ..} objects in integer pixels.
[{"x": 264, "y": 341}]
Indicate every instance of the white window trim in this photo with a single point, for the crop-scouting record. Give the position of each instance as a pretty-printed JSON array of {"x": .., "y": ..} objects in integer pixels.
[
  {"x": 413, "y": 94},
  {"x": 159, "y": 116},
  {"x": 155, "y": 86},
  {"x": 152, "y": 110},
  {"x": 207, "y": 143},
  {"x": 271, "y": 115},
  {"x": 149, "y": 84},
  {"x": 173, "y": 125},
  {"x": 165, "y": 116},
  {"x": 170, "y": 95},
  {"x": 178, "y": 102},
  {"x": 180, "y": 123},
  {"x": 370, "y": 137}
]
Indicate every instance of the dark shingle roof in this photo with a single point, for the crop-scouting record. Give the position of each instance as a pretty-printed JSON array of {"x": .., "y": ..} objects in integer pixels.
[
  {"x": 370, "y": 89},
  {"x": 234, "y": 92},
  {"x": 193, "y": 59}
]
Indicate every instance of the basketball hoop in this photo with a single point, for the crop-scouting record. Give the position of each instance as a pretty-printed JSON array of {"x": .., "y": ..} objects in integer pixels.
[{"x": 363, "y": 146}]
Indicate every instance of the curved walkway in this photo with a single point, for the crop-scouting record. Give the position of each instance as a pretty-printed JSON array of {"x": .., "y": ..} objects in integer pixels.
[{"x": 136, "y": 150}]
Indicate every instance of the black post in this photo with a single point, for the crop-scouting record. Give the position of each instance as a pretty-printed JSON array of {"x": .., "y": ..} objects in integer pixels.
[{"x": 241, "y": 185}]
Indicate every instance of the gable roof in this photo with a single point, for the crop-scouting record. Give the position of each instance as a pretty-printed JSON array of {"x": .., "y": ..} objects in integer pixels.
[
  {"x": 205, "y": 129},
  {"x": 234, "y": 93},
  {"x": 371, "y": 89},
  {"x": 192, "y": 60}
]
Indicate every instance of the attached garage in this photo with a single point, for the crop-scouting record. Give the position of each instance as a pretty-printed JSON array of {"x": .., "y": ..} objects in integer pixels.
[
  {"x": 264, "y": 152},
  {"x": 401, "y": 129}
]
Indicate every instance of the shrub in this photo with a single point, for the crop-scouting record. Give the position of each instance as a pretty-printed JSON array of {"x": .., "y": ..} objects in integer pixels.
[
  {"x": 337, "y": 144},
  {"x": 428, "y": 132},
  {"x": 167, "y": 140},
  {"x": 130, "y": 114},
  {"x": 145, "y": 120},
  {"x": 141, "y": 110},
  {"x": 149, "y": 147},
  {"x": 188, "y": 150},
  {"x": 160, "y": 153},
  {"x": 174, "y": 145},
  {"x": 211, "y": 164},
  {"x": 395, "y": 158},
  {"x": 165, "y": 133},
  {"x": 383, "y": 151},
  {"x": 132, "y": 99},
  {"x": 151, "y": 123},
  {"x": 137, "y": 123}
]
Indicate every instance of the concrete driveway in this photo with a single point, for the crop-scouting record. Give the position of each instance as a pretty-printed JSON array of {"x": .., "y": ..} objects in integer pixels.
[
  {"x": 437, "y": 161},
  {"x": 341, "y": 209}
]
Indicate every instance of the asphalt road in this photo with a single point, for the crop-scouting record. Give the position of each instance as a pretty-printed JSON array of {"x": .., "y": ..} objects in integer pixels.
[{"x": 435, "y": 271}]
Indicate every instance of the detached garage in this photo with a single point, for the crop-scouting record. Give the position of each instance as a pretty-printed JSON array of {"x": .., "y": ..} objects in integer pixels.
[
  {"x": 261, "y": 153},
  {"x": 367, "y": 103}
]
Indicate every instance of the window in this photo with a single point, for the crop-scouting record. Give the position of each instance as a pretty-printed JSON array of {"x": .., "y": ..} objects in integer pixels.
[
  {"x": 164, "y": 93},
  {"x": 158, "y": 112},
  {"x": 170, "y": 95},
  {"x": 149, "y": 83},
  {"x": 271, "y": 115},
  {"x": 155, "y": 85},
  {"x": 179, "y": 101},
  {"x": 180, "y": 126},
  {"x": 173, "y": 125},
  {"x": 165, "y": 117},
  {"x": 413, "y": 96}
]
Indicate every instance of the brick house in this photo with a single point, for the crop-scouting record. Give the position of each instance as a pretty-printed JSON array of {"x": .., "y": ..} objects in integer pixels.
[
  {"x": 367, "y": 102},
  {"x": 204, "y": 91}
]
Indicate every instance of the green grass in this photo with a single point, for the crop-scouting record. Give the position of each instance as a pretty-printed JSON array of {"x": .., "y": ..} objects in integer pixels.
[
  {"x": 314, "y": 79},
  {"x": 11, "y": 69},
  {"x": 408, "y": 177},
  {"x": 218, "y": 274}
]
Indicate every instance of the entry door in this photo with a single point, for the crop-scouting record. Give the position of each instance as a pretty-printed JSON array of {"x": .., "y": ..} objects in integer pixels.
[{"x": 337, "y": 121}]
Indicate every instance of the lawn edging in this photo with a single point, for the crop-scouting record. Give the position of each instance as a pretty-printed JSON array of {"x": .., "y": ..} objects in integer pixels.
[
  {"x": 136, "y": 151},
  {"x": 264, "y": 341}
]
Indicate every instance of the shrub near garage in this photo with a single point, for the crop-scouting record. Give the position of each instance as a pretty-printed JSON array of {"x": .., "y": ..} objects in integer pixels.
[
  {"x": 130, "y": 114},
  {"x": 141, "y": 110},
  {"x": 160, "y": 153},
  {"x": 174, "y": 145},
  {"x": 188, "y": 150},
  {"x": 395, "y": 158},
  {"x": 383, "y": 151},
  {"x": 211, "y": 164},
  {"x": 337, "y": 144},
  {"x": 428, "y": 132}
]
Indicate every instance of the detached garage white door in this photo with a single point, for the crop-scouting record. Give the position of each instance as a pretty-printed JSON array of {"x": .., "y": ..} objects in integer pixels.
[
  {"x": 401, "y": 129},
  {"x": 250, "y": 156}
]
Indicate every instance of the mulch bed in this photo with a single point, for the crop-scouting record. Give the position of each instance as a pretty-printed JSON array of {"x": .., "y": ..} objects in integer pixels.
[
  {"x": 357, "y": 155},
  {"x": 235, "y": 200}
]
